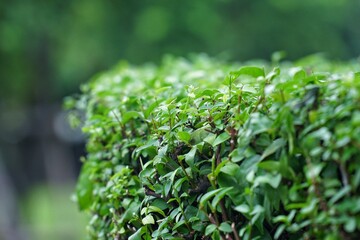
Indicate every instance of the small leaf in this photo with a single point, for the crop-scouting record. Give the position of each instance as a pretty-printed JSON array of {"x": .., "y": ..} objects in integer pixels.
[
  {"x": 184, "y": 136},
  {"x": 225, "y": 227},
  {"x": 274, "y": 73},
  {"x": 209, "y": 229},
  {"x": 126, "y": 117},
  {"x": 310, "y": 207},
  {"x": 345, "y": 190},
  {"x": 280, "y": 218},
  {"x": 210, "y": 138},
  {"x": 250, "y": 71},
  {"x": 84, "y": 187},
  {"x": 279, "y": 231},
  {"x": 273, "y": 181},
  {"x": 230, "y": 168},
  {"x": 221, "y": 138},
  {"x": 216, "y": 235},
  {"x": 149, "y": 219},
  {"x": 243, "y": 208},
  {"x": 156, "y": 209},
  {"x": 178, "y": 224},
  {"x": 357, "y": 76},
  {"x": 350, "y": 225},
  {"x": 209, "y": 195},
  {"x": 189, "y": 157},
  {"x": 138, "y": 234},
  {"x": 220, "y": 196},
  {"x": 275, "y": 145},
  {"x": 269, "y": 165}
]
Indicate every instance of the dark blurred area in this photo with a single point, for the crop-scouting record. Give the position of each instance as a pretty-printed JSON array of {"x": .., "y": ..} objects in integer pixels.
[{"x": 48, "y": 48}]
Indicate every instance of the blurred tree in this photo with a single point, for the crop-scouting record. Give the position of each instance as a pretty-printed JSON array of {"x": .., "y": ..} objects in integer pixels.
[{"x": 48, "y": 48}]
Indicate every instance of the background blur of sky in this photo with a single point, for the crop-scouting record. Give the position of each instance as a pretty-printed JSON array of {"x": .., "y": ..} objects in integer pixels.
[{"x": 48, "y": 48}]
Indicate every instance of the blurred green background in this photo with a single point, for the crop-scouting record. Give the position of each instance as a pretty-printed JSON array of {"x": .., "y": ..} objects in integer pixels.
[{"x": 48, "y": 48}]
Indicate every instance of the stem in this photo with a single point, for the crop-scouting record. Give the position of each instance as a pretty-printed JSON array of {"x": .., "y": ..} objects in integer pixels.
[
  {"x": 344, "y": 175},
  {"x": 122, "y": 127},
  {"x": 230, "y": 88},
  {"x": 282, "y": 96},
  {"x": 236, "y": 234},
  {"x": 185, "y": 218},
  {"x": 315, "y": 184},
  {"x": 239, "y": 101},
  {"x": 152, "y": 193},
  {"x": 262, "y": 98},
  {"x": 187, "y": 175},
  {"x": 223, "y": 211}
]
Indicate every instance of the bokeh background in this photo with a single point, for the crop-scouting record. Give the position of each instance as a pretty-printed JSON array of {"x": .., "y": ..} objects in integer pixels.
[{"x": 48, "y": 48}]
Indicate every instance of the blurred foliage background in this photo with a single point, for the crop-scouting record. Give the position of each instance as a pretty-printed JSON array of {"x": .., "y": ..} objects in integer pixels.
[{"x": 48, "y": 48}]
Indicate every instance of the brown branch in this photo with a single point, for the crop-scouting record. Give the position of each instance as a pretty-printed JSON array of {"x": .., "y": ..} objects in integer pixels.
[
  {"x": 236, "y": 234},
  {"x": 149, "y": 192}
]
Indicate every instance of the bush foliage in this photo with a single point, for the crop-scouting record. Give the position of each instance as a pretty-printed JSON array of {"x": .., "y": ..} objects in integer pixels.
[{"x": 203, "y": 149}]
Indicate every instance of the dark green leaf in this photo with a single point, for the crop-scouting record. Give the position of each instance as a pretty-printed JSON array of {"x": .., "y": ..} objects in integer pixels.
[{"x": 277, "y": 144}]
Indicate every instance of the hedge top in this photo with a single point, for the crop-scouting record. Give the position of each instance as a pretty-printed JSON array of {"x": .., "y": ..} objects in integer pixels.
[{"x": 203, "y": 149}]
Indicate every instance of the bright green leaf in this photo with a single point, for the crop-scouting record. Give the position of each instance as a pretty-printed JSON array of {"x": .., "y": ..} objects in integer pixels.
[
  {"x": 149, "y": 219},
  {"x": 221, "y": 138}
]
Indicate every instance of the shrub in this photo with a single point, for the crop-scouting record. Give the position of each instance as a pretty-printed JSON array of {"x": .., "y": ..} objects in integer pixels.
[{"x": 202, "y": 149}]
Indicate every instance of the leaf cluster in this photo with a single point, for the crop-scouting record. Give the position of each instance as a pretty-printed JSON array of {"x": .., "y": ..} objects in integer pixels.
[{"x": 203, "y": 149}]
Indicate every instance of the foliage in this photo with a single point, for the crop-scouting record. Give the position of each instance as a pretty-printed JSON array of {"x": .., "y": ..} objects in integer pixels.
[{"x": 203, "y": 149}]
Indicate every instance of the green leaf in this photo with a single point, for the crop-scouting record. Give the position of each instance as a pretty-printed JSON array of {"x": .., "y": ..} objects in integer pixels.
[
  {"x": 178, "y": 224},
  {"x": 310, "y": 207},
  {"x": 184, "y": 136},
  {"x": 221, "y": 138},
  {"x": 230, "y": 168},
  {"x": 250, "y": 71},
  {"x": 357, "y": 76},
  {"x": 210, "y": 138},
  {"x": 149, "y": 219},
  {"x": 345, "y": 190},
  {"x": 210, "y": 229},
  {"x": 156, "y": 210},
  {"x": 220, "y": 196},
  {"x": 274, "y": 146},
  {"x": 279, "y": 231},
  {"x": 272, "y": 180},
  {"x": 84, "y": 187},
  {"x": 189, "y": 157},
  {"x": 225, "y": 227},
  {"x": 216, "y": 235},
  {"x": 274, "y": 73},
  {"x": 277, "y": 56},
  {"x": 350, "y": 225},
  {"x": 269, "y": 165},
  {"x": 243, "y": 208},
  {"x": 138, "y": 234},
  {"x": 126, "y": 117},
  {"x": 207, "y": 196},
  {"x": 219, "y": 167}
]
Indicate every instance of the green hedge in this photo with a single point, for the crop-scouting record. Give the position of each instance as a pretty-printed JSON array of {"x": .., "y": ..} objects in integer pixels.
[{"x": 203, "y": 149}]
